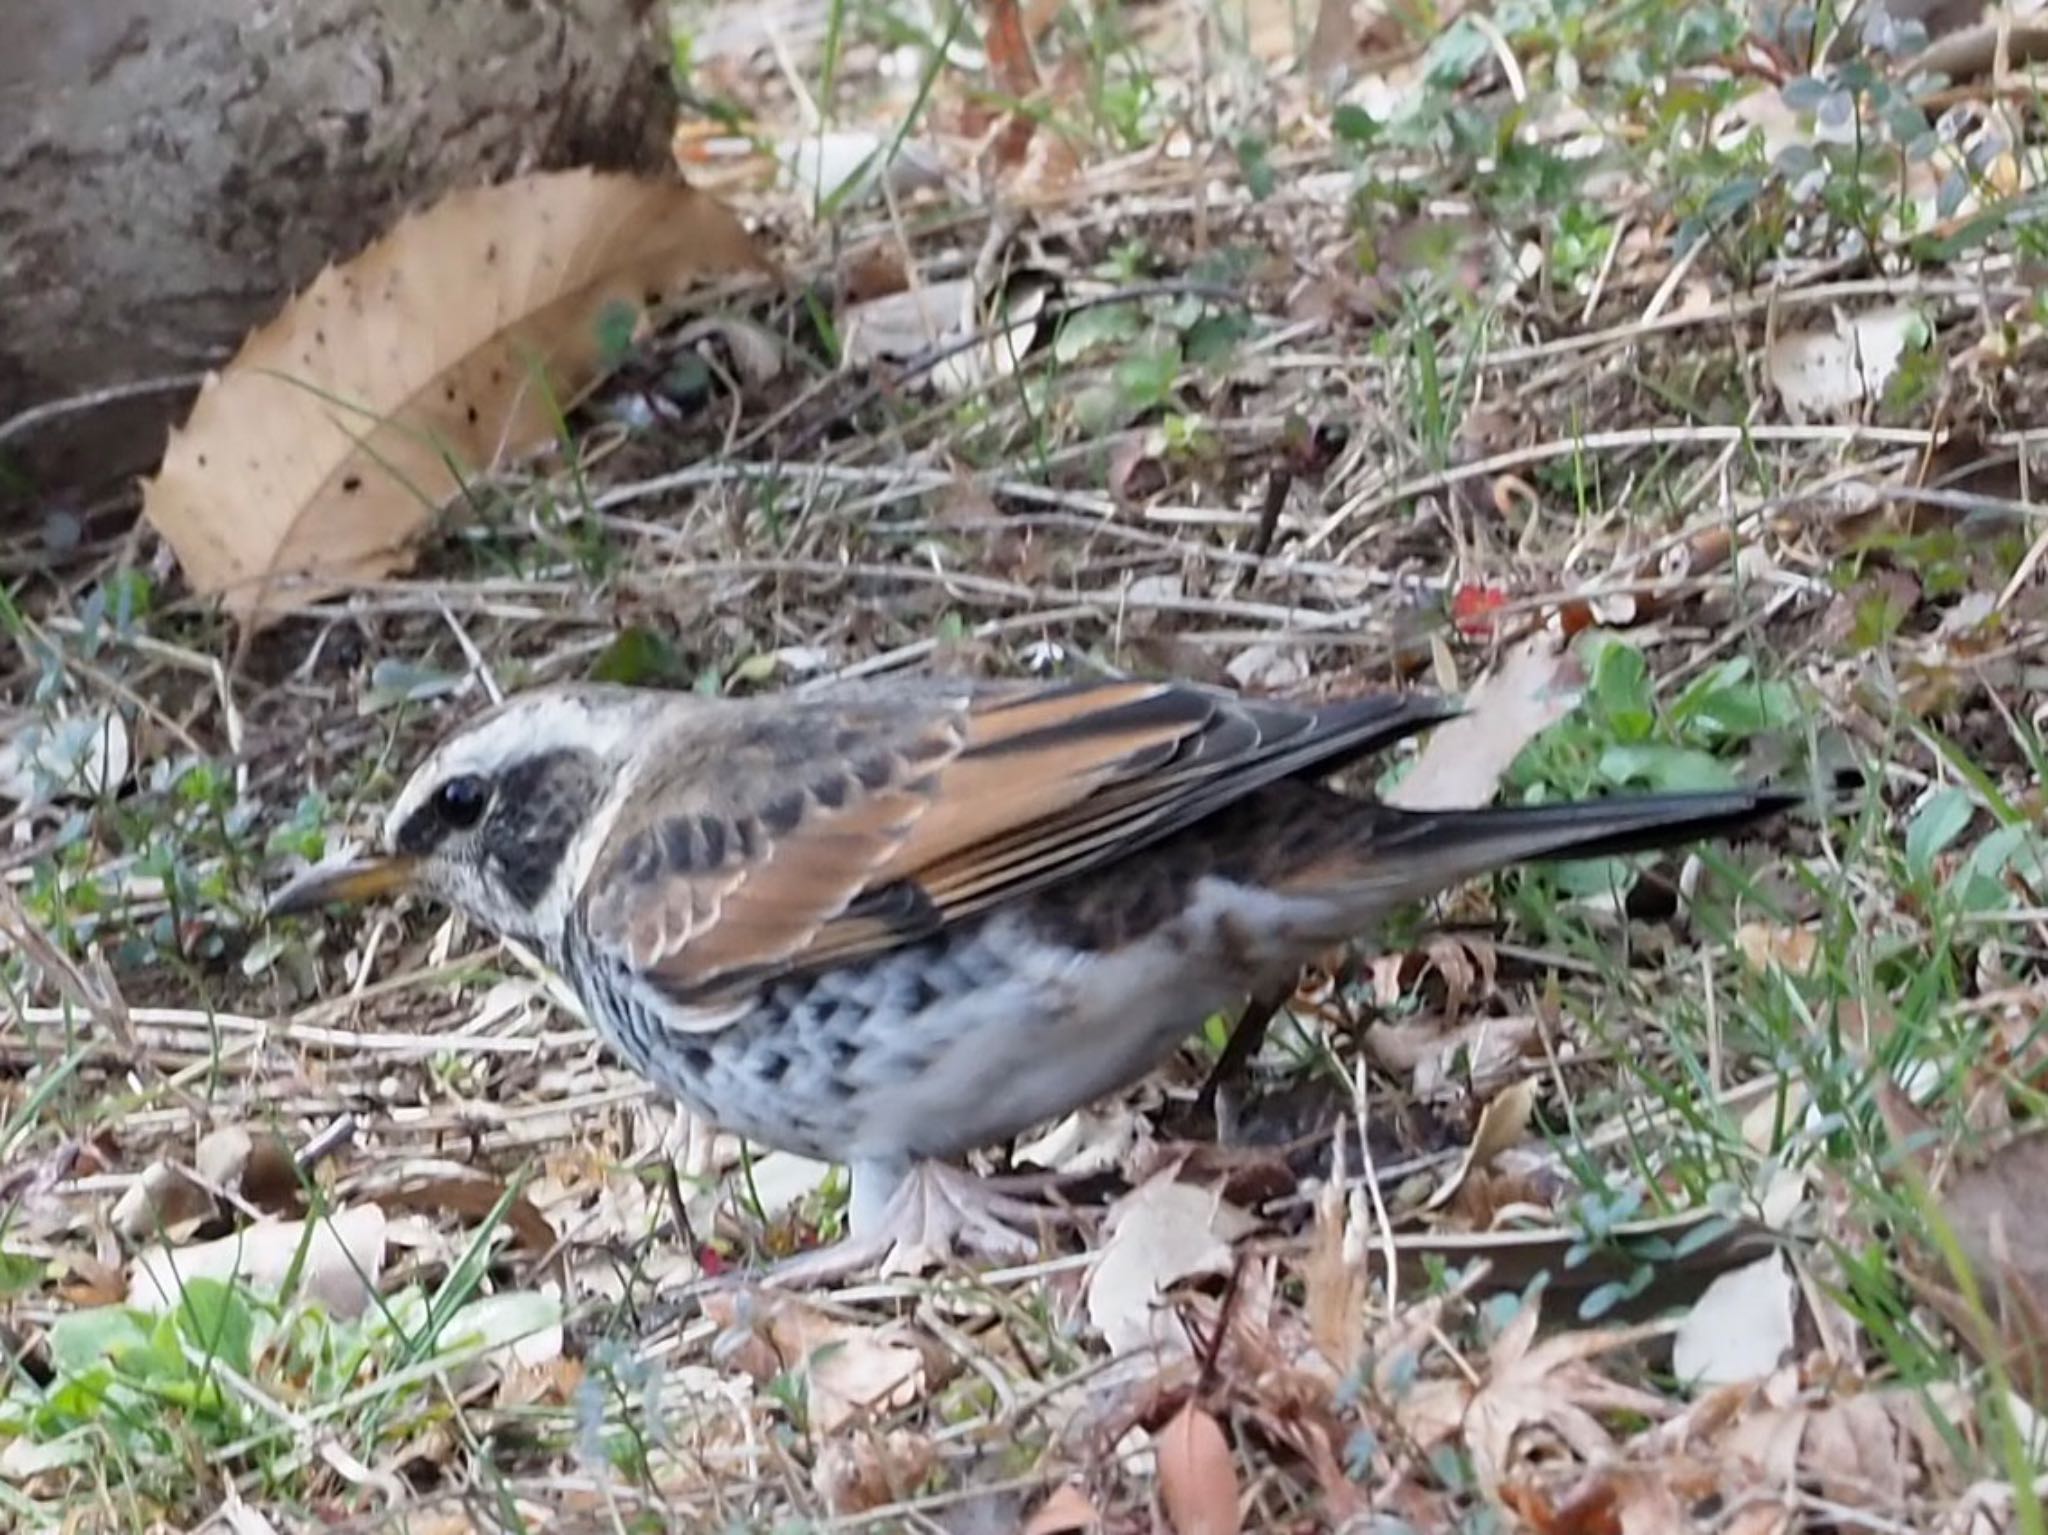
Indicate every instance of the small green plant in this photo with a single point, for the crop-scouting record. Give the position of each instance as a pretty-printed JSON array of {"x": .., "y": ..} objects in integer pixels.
[
  {"x": 223, "y": 1375},
  {"x": 1625, "y": 737}
]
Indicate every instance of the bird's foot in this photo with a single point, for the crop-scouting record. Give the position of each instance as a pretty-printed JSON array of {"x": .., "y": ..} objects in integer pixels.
[{"x": 937, "y": 1212}]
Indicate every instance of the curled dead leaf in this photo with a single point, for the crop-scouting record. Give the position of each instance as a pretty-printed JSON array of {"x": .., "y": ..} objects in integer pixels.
[
  {"x": 1466, "y": 964},
  {"x": 1481, "y": 1054},
  {"x": 516, "y": 1335},
  {"x": 1877, "y": 1450},
  {"x": 874, "y": 271},
  {"x": 83, "y": 1282},
  {"x": 1137, "y": 469},
  {"x": 323, "y": 449},
  {"x": 1335, "y": 1283},
  {"x": 270, "y": 1177},
  {"x": 1268, "y": 668},
  {"x": 257, "y": 1165},
  {"x": 1503, "y": 1123},
  {"x": 221, "y": 1155},
  {"x": 847, "y": 167},
  {"x": 969, "y": 337}
]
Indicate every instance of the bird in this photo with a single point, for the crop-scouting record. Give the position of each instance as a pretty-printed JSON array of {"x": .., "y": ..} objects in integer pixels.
[{"x": 889, "y": 922}]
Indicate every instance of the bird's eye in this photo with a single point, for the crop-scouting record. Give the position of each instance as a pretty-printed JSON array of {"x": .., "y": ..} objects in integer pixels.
[{"x": 460, "y": 802}]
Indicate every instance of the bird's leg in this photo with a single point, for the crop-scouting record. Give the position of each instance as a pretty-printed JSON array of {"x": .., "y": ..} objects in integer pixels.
[
  {"x": 873, "y": 1188},
  {"x": 1238, "y": 1051},
  {"x": 906, "y": 1218}
]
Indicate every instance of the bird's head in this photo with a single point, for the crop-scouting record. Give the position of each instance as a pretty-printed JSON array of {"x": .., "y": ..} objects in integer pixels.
[{"x": 503, "y": 817}]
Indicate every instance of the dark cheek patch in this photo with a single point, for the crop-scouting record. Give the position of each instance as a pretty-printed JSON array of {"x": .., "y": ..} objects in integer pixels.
[{"x": 540, "y": 805}]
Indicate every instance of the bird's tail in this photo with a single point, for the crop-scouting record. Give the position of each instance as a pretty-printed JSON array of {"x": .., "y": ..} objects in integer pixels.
[{"x": 1401, "y": 855}]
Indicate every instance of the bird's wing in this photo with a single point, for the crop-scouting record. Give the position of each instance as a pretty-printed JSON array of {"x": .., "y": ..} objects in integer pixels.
[{"x": 816, "y": 831}]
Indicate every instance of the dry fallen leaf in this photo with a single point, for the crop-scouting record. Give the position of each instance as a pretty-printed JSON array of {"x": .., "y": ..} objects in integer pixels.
[
  {"x": 517, "y": 1335},
  {"x": 850, "y": 1371},
  {"x": 343, "y": 1255},
  {"x": 476, "y": 1198},
  {"x": 1503, "y": 1123},
  {"x": 1612, "y": 1500},
  {"x": 1332, "y": 45},
  {"x": 1461, "y": 766},
  {"x": 316, "y": 456},
  {"x": 1997, "y": 1211},
  {"x": 1066, "y": 1512},
  {"x": 1197, "y": 1475},
  {"x": 164, "y": 1202},
  {"x": 1878, "y": 1450},
  {"x": 1765, "y": 113},
  {"x": 257, "y": 1165},
  {"x": 1016, "y": 76},
  {"x": 1333, "y": 1280},
  {"x": 1269, "y": 668},
  {"x": 780, "y": 1181},
  {"x": 1552, "y": 1383},
  {"x": 1160, "y": 1232},
  {"x": 1088, "y": 1141},
  {"x": 1821, "y": 373},
  {"x": 240, "y": 1518},
  {"x": 846, "y": 167},
  {"x": 1764, "y": 945},
  {"x": 856, "y": 1474},
  {"x": 944, "y": 319},
  {"x": 1475, "y": 1056},
  {"x": 1740, "y": 1329},
  {"x": 84, "y": 756}
]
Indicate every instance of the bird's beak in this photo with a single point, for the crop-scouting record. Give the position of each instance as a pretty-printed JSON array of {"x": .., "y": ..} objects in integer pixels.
[{"x": 359, "y": 879}]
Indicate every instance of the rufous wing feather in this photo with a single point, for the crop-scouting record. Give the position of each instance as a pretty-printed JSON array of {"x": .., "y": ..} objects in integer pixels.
[{"x": 861, "y": 828}]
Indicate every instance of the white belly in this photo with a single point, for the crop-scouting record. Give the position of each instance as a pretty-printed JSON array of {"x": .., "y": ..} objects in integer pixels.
[{"x": 1059, "y": 1030}]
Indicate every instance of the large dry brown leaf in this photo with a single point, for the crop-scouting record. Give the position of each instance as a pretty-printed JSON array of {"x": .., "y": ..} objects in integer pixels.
[{"x": 313, "y": 459}]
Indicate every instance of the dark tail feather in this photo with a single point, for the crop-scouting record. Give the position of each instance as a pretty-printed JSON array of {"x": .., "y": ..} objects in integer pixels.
[{"x": 1411, "y": 853}]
